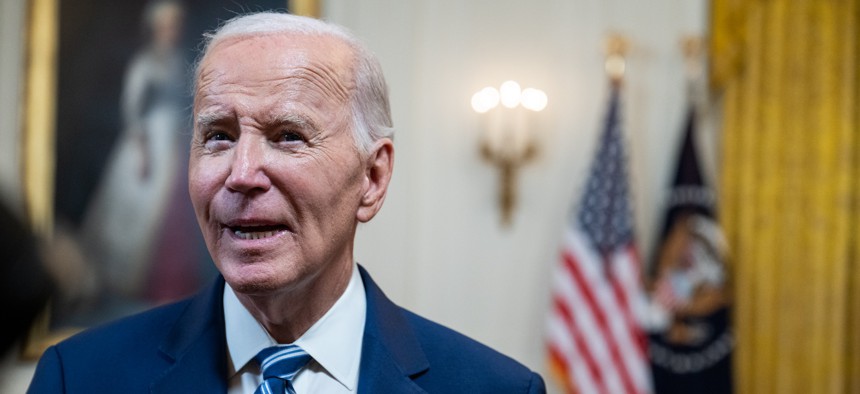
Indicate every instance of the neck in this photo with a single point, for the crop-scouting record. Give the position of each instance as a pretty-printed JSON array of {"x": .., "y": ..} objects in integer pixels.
[{"x": 288, "y": 314}]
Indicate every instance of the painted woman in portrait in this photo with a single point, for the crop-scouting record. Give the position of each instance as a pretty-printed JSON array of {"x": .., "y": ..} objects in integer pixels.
[{"x": 124, "y": 224}]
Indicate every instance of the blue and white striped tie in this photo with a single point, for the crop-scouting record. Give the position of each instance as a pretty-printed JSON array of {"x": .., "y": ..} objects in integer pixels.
[{"x": 280, "y": 364}]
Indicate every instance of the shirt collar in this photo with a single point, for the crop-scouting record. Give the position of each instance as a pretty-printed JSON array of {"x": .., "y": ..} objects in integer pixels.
[{"x": 334, "y": 341}]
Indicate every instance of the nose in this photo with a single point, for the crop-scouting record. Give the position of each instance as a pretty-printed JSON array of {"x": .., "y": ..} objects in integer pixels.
[{"x": 248, "y": 170}]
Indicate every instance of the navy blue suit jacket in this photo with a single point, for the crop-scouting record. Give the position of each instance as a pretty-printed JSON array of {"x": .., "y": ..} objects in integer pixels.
[{"x": 180, "y": 348}]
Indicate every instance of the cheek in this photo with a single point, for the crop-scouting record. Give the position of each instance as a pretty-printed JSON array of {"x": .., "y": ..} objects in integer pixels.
[
  {"x": 320, "y": 191},
  {"x": 203, "y": 182},
  {"x": 341, "y": 190}
]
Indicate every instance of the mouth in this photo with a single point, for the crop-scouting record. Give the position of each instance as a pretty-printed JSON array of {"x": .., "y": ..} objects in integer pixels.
[{"x": 255, "y": 232}]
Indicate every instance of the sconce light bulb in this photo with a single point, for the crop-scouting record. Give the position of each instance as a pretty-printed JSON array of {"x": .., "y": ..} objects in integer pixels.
[
  {"x": 534, "y": 99},
  {"x": 510, "y": 94},
  {"x": 485, "y": 100}
]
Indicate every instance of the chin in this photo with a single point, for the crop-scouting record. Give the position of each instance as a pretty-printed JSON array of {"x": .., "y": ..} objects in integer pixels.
[{"x": 258, "y": 278}]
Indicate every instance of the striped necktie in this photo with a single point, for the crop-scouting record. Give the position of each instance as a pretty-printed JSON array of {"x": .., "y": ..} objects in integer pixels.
[{"x": 280, "y": 364}]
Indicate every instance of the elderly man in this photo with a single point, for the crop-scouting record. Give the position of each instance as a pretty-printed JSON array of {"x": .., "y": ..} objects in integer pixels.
[{"x": 291, "y": 149}]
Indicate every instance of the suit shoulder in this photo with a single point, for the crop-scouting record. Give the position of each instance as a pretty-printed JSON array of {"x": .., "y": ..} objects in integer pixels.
[
  {"x": 132, "y": 331},
  {"x": 467, "y": 361},
  {"x": 124, "y": 350}
]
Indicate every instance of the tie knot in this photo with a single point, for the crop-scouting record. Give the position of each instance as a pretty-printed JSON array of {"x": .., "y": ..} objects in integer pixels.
[{"x": 282, "y": 361}]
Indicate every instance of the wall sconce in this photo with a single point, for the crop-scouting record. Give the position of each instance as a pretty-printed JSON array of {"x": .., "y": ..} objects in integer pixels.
[{"x": 507, "y": 140}]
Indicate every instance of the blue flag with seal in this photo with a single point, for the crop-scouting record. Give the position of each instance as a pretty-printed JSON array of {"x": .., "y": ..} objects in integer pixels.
[{"x": 690, "y": 340}]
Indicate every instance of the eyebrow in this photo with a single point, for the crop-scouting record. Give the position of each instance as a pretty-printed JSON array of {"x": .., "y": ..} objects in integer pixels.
[
  {"x": 295, "y": 120},
  {"x": 208, "y": 119},
  {"x": 211, "y": 118}
]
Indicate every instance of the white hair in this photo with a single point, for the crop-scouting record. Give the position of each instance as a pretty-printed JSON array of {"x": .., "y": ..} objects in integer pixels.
[{"x": 370, "y": 108}]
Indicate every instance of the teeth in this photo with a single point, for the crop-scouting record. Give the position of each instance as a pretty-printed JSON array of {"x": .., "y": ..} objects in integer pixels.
[{"x": 254, "y": 234}]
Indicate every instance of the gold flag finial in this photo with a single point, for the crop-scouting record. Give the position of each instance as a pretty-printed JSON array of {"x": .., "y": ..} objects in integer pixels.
[{"x": 615, "y": 65}]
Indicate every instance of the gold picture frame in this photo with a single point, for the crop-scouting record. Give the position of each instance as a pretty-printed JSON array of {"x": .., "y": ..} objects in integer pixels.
[{"x": 39, "y": 136}]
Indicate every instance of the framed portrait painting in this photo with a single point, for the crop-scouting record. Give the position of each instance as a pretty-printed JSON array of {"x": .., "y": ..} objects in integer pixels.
[{"x": 120, "y": 214}]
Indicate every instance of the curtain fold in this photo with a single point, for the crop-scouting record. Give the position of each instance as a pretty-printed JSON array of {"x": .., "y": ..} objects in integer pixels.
[{"x": 786, "y": 72}]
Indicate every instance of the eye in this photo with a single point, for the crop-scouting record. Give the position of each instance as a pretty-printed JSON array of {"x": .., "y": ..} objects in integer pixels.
[
  {"x": 218, "y": 136},
  {"x": 291, "y": 136},
  {"x": 216, "y": 140}
]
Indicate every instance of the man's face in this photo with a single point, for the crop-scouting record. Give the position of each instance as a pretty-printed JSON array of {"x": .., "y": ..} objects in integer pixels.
[{"x": 274, "y": 175}]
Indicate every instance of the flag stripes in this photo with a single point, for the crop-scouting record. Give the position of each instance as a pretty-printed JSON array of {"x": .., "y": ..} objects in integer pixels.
[
  {"x": 568, "y": 332},
  {"x": 626, "y": 271},
  {"x": 595, "y": 315},
  {"x": 594, "y": 337},
  {"x": 584, "y": 373},
  {"x": 603, "y": 331}
]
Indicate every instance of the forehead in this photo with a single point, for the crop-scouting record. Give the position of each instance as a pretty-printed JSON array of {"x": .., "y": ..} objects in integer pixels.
[{"x": 321, "y": 62}]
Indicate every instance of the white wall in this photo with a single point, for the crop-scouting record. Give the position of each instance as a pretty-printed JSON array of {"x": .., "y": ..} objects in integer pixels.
[{"x": 437, "y": 247}]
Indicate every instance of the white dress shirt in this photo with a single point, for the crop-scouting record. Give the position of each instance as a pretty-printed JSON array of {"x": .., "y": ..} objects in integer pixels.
[{"x": 334, "y": 342}]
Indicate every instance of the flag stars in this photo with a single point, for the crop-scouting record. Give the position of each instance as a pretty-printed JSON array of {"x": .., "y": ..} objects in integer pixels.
[{"x": 605, "y": 212}]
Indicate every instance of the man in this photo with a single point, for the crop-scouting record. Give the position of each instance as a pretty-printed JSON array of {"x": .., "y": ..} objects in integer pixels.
[{"x": 291, "y": 149}]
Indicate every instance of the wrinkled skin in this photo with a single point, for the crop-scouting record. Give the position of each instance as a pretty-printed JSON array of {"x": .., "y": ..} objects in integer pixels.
[{"x": 276, "y": 180}]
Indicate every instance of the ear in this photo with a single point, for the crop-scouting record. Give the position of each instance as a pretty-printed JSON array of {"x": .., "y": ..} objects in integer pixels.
[{"x": 377, "y": 175}]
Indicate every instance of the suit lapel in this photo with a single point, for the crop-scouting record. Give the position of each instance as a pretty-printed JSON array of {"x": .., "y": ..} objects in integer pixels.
[
  {"x": 391, "y": 354},
  {"x": 197, "y": 348}
]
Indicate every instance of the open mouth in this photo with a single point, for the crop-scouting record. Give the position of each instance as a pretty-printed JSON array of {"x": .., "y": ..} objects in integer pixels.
[{"x": 256, "y": 232}]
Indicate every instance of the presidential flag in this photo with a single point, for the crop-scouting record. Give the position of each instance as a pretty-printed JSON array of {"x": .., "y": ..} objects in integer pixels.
[
  {"x": 690, "y": 343},
  {"x": 595, "y": 341}
]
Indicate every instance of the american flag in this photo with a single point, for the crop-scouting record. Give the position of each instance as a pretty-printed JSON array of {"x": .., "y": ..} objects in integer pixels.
[{"x": 595, "y": 342}]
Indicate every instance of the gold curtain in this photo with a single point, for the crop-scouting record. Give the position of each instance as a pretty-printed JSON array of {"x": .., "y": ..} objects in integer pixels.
[{"x": 787, "y": 74}]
